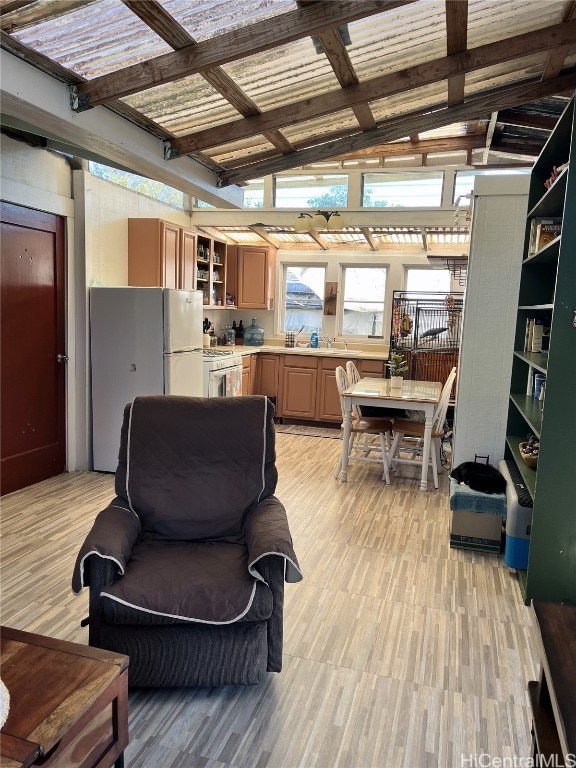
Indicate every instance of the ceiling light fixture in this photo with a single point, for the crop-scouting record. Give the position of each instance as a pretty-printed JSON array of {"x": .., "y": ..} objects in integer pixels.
[{"x": 320, "y": 220}]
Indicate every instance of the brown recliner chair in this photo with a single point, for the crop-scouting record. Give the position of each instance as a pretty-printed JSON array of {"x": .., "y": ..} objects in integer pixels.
[{"x": 186, "y": 566}]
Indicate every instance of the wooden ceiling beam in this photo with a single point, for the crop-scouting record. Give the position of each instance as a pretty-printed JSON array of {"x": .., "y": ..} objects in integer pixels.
[
  {"x": 426, "y": 146},
  {"x": 266, "y": 236},
  {"x": 556, "y": 58},
  {"x": 489, "y": 136},
  {"x": 165, "y": 26},
  {"x": 315, "y": 235},
  {"x": 337, "y": 55},
  {"x": 380, "y": 87},
  {"x": 526, "y": 120},
  {"x": 456, "y": 42},
  {"x": 370, "y": 239},
  {"x": 436, "y": 116},
  {"x": 229, "y": 46}
]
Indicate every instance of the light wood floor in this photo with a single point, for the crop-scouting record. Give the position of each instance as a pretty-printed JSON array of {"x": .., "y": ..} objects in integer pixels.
[{"x": 399, "y": 651}]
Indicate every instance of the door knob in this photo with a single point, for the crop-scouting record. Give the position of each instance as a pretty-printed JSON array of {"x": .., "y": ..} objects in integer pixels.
[{"x": 62, "y": 358}]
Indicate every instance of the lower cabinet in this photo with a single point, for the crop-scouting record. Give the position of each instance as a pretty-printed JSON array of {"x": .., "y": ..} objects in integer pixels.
[
  {"x": 267, "y": 379},
  {"x": 247, "y": 378},
  {"x": 304, "y": 387},
  {"x": 328, "y": 397},
  {"x": 299, "y": 383}
]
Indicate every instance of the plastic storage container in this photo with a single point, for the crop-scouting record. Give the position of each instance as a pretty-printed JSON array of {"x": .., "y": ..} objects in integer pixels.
[{"x": 254, "y": 335}]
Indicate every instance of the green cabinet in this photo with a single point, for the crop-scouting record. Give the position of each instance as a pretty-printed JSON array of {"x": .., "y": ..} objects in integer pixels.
[{"x": 547, "y": 297}]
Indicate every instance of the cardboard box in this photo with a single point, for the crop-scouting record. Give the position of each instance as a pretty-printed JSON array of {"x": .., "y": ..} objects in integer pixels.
[{"x": 475, "y": 530}]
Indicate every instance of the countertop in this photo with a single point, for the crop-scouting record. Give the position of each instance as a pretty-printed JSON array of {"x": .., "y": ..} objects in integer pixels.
[{"x": 362, "y": 354}]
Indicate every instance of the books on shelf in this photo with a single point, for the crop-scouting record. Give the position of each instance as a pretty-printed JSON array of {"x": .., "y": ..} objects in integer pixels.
[
  {"x": 542, "y": 232},
  {"x": 536, "y": 334}
]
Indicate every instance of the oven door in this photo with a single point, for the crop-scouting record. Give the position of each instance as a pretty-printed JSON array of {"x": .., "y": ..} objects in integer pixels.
[{"x": 225, "y": 382}]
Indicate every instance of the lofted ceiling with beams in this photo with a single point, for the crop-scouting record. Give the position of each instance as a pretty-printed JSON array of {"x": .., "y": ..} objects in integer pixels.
[{"x": 254, "y": 87}]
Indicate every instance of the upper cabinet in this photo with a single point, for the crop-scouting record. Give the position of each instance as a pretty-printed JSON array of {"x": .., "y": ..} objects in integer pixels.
[
  {"x": 154, "y": 248},
  {"x": 250, "y": 279},
  {"x": 163, "y": 254},
  {"x": 545, "y": 350}
]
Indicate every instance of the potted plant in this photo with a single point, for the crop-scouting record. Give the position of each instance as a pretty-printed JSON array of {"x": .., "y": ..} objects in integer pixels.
[{"x": 396, "y": 365}]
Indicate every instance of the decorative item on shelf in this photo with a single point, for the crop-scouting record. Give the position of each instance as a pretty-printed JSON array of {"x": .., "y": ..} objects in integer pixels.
[
  {"x": 556, "y": 171},
  {"x": 396, "y": 365},
  {"x": 230, "y": 300},
  {"x": 321, "y": 220},
  {"x": 543, "y": 231},
  {"x": 529, "y": 451}
]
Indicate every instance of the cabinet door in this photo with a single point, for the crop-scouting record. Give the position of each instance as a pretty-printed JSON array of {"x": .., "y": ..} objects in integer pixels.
[
  {"x": 170, "y": 255},
  {"x": 153, "y": 253},
  {"x": 247, "y": 374},
  {"x": 299, "y": 391},
  {"x": 268, "y": 375},
  {"x": 328, "y": 398},
  {"x": 187, "y": 278},
  {"x": 253, "y": 278}
]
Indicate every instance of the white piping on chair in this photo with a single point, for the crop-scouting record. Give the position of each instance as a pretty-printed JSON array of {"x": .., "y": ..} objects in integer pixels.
[
  {"x": 183, "y": 618},
  {"x": 128, "y": 458},
  {"x": 104, "y": 557},
  {"x": 264, "y": 447}
]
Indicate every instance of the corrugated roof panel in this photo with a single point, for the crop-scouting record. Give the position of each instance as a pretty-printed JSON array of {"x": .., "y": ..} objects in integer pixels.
[
  {"x": 183, "y": 106},
  {"x": 242, "y": 236},
  {"x": 329, "y": 124},
  {"x": 204, "y": 19},
  {"x": 415, "y": 99},
  {"x": 343, "y": 237},
  {"x": 491, "y": 20},
  {"x": 246, "y": 149},
  {"x": 505, "y": 73},
  {"x": 447, "y": 236},
  {"x": 292, "y": 73},
  {"x": 397, "y": 39},
  {"x": 95, "y": 40}
]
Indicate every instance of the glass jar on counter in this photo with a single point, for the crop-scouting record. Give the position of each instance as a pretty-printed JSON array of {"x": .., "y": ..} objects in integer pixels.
[
  {"x": 228, "y": 337},
  {"x": 254, "y": 335}
]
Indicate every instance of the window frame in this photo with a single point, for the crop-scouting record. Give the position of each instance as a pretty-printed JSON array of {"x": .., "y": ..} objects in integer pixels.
[
  {"x": 281, "y": 286},
  {"x": 340, "y": 301}
]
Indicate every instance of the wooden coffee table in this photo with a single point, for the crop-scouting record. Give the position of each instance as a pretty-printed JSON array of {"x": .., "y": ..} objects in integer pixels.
[{"x": 68, "y": 703}]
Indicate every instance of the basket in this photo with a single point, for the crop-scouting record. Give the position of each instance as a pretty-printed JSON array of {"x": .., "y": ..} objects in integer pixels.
[{"x": 529, "y": 459}]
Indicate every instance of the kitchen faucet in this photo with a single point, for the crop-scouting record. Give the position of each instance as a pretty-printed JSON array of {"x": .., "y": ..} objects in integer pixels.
[{"x": 328, "y": 341}]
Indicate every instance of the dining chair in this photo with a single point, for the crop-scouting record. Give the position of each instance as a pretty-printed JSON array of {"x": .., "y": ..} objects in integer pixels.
[
  {"x": 413, "y": 431},
  {"x": 362, "y": 444}
]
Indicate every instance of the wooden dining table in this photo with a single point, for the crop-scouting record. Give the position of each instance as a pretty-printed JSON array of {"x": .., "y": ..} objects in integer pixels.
[{"x": 414, "y": 395}]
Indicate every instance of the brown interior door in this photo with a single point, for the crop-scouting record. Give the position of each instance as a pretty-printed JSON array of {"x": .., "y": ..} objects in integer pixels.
[{"x": 32, "y": 400}]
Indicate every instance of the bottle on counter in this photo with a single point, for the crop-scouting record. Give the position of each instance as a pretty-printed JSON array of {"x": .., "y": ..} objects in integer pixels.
[
  {"x": 314, "y": 340},
  {"x": 254, "y": 335}
]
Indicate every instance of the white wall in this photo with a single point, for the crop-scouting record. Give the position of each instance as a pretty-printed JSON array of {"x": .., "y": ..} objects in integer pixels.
[{"x": 496, "y": 246}]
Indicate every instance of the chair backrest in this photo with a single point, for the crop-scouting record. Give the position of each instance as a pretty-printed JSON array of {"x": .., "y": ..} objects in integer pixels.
[
  {"x": 442, "y": 407},
  {"x": 353, "y": 375},
  {"x": 352, "y": 372},
  {"x": 342, "y": 384}
]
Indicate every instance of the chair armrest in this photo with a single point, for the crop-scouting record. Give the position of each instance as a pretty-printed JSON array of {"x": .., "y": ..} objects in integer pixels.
[
  {"x": 112, "y": 537},
  {"x": 268, "y": 534}
]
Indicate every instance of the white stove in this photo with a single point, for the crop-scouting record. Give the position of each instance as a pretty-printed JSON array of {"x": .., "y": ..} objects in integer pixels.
[{"x": 222, "y": 373}]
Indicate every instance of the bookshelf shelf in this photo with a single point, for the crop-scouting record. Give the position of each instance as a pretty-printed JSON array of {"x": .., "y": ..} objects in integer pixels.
[{"x": 547, "y": 298}]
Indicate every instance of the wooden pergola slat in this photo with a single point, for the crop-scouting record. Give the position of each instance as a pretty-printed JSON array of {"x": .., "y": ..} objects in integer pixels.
[
  {"x": 456, "y": 42},
  {"x": 439, "y": 115},
  {"x": 407, "y": 79},
  {"x": 227, "y": 47}
]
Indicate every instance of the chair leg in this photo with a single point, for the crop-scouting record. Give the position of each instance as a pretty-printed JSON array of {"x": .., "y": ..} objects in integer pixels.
[
  {"x": 433, "y": 455},
  {"x": 386, "y": 474},
  {"x": 395, "y": 443}
]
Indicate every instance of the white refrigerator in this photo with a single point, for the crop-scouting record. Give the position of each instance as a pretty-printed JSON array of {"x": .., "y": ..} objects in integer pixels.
[{"x": 143, "y": 341}]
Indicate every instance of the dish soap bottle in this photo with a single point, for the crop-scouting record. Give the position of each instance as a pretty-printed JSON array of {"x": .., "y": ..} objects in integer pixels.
[
  {"x": 314, "y": 340},
  {"x": 254, "y": 335}
]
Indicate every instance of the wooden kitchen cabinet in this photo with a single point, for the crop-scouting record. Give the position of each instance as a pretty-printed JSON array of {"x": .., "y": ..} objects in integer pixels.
[
  {"x": 299, "y": 385},
  {"x": 375, "y": 369},
  {"x": 268, "y": 377},
  {"x": 187, "y": 260},
  {"x": 248, "y": 366},
  {"x": 251, "y": 276},
  {"x": 328, "y": 398},
  {"x": 153, "y": 253}
]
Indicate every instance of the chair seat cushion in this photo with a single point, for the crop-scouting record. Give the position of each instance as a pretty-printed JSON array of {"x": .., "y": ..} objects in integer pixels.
[
  {"x": 170, "y": 582},
  {"x": 375, "y": 425}
]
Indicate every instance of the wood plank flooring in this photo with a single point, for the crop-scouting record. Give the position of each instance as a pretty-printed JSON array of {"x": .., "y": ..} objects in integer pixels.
[{"x": 399, "y": 651}]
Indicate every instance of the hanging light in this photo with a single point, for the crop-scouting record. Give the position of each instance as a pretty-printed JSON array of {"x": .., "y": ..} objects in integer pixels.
[{"x": 321, "y": 220}]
